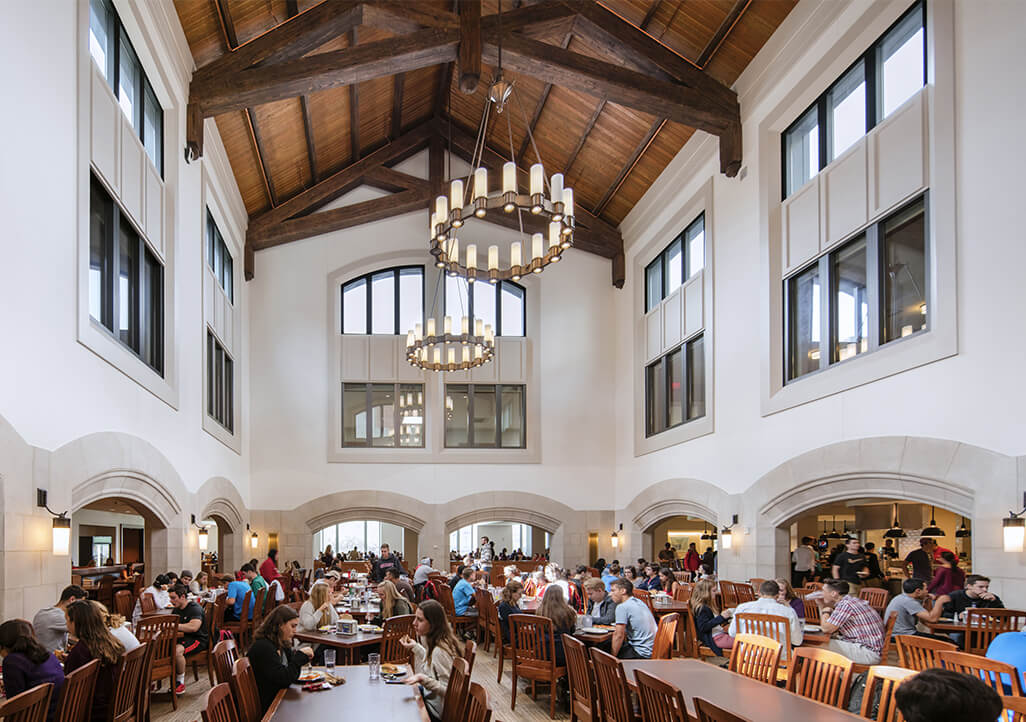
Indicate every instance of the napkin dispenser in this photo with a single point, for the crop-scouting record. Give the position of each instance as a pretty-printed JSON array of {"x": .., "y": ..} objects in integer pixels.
[{"x": 346, "y": 627}]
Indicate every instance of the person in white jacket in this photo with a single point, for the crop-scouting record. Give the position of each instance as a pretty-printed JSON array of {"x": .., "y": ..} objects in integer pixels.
[
  {"x": 319, "y": 609},
  {"x": 432, "y": 655},
  {"x": 767, "y": 604},
  {"x": 160, "y": 597}
]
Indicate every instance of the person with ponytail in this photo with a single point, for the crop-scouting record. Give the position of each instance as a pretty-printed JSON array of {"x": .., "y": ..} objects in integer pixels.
[
  {"x": 26, "y": 663},
  {"x": 433, "y": 654},
  {"x": 95, "y": 641}
]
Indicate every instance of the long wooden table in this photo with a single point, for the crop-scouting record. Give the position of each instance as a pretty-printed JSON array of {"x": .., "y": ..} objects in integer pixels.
[
  {"x": 359, "y": 698},
  {"x": 347, "y": 644},
  {"x": 733, "y": 692}
]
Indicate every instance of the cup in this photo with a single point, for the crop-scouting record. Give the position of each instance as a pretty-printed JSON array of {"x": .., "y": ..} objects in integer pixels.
[
  {"x": 374, "y": 665},
  {"x": 587, "y": 621},
  {"x": 329, "y": 660}
]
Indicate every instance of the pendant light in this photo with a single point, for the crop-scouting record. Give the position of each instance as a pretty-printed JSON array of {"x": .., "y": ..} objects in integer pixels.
[
  {"x": 834, "y": 534},
  {"x": 933, "y": 529},
  {"x": 962, "y": 532},
  {"x": 705, "y": 533},
  {"x": 895, "y": 532},
  {"x": 823, "y": 537}
]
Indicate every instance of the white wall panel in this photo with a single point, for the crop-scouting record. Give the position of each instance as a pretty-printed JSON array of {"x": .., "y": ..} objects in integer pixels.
[
  {"x": 800, "y": 225},
  {"x": 383, "y": 356},
  {"x": 672, "y": 322},
  {"x": 844, "y": 194},
  {"x": 654, "y": 333},
  {"x": 897, "y": 156},
  {"x": 105, "y": 127},
  {"x": 154, "y": 204},
  {"x": 694, "y": 313},
  {"x": 489, "y": 373},
  {"x": 354, "y": 357},
  {"x": 208, "y": 296},
  {"x": 229, "y": 328},
  {"x": 132, "y": 157},
  {"x": 406, "y": 372},
  {"x": 512, "y": 360}
]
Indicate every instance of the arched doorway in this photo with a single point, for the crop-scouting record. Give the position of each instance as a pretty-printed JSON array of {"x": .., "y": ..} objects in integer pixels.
[
  {"x": 116, "y": 529},
  {"x": 680, "y": 531}
]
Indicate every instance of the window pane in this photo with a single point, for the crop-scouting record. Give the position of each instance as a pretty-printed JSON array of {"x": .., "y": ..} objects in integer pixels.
[
  {"x": 903, "y": 239},
  {"x": 675, "y": 401},
  {"x": 210, "y": 373},
  {"x": 411, "y": 415},
  {"x": 484, "y": 416},
  {"x": 128, "y": 81},
  {"x": 99, "y": 42},
  {"x": 851, "y": 307},
  {"x": 354, "y": 307},
  {"x": 804, "y": 322},
  {"x": 674, "y": 266},
  {"x": 153, "y": 128},
  {"x": 696, "y": 378},
  {"x": 151, "y": 327},
  {"x": 211, "y": 240},
  {"x": 846, "y": 110},
  {"x": 653, "y": 284},
  {"x": 902, "y": 56},
  {"x": 655, "y": 398},
  {"x": 329, "y": 538},
  {"x": 218, "y": 258},
  {"x": 383, "y": 302},
  {"x": 354, "y": 415},
  {"x": 511, "y": 417},
  {"x": 695, "y": 238},
  {"x": 457, "y": 415},
  {"x": 411, "y": 299},
  {"x": 128, "y": 286},
  {"x": 101, "y": 221},
  {"x": 226, "y": 280},
  {"x": 457, "y": 298},
  {"x": 350, "y": 535},
  {"x": 374, "y": 536},
  {"x": 802, "y": 151},
  {"x": 484, "y": 304},
  {"x": 382, "y": 429},
  {"x": 512, "y": 298},
  {"x": 229, "y": 395},
  {"x": 218, "y": 382}
]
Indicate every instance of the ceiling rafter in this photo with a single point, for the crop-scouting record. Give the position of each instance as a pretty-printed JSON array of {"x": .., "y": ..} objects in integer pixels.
[
  {"x": 398, "y": 89},
  {"x": 533, "y": 123},
  {"x": 632, "y": 161},
  {"x": 354, "y": 107},
  {"x": 292, "y": 8},
  {"x": 470, "y": 46},
  {"x": 650, "y": 14},
  {"x": 722, "y": 31},
  {"x": 584, "y": 137}
]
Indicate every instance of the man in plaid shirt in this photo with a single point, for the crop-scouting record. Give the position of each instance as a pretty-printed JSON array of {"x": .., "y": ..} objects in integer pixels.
[{"x": 858, "y": 626}]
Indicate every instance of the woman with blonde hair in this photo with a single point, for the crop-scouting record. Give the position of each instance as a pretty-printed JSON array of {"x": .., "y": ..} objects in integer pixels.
[
  {"x": 433, "y": 654},
  {"x": 319, "y": 610},
  {"x": 117, "y": 626},
  {"x": 709, "y": 620},
  {"x": 198, "y": 586},
  {"x": 787, "y": 596},
  {"x": 553, "y": 606},
  {"x": 393, "y": 604}
]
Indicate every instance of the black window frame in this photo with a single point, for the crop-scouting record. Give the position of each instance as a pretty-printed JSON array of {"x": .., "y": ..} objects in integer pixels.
[
  {"x": 220, "y": 383},
  {"x": 498, "y": 389},
  {"x": 873, "y": 70},
  {"x": 146, "y": 325},
  {"x": 662, "y": 367},
  {"x": 875, "y": 268},
  {"x": 216, "y": 244},
  {"x": 663, "y": 257},
  {"x": 117, "y": 36},
  {"x": 366, "y": 279},
  {"x": 368, "y": 389},
  {"x": 498, "y": 305}
]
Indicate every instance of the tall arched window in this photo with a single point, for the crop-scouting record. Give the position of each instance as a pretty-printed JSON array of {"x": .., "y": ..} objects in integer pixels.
[
  {"x": 389, "y": 301},
  {"x": 364, "y": 536},
  {"x": 502, "y": 305}
]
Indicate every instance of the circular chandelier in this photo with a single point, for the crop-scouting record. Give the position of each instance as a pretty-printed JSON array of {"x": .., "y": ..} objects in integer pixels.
[{"x": 431, "y": 351}]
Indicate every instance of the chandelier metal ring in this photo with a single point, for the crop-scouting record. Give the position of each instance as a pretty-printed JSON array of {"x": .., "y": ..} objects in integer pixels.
[{"x": 424, "y": 348}]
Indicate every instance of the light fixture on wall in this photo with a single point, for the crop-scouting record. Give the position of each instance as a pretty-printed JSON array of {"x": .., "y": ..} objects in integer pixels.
[
  {"x": 61, "y": 526},
  {"x": 614, "y": 538},
  {"x": 933, "y": 529},
  {"x": 1014, "y": 529},
  {"x": 253, "y": 538},
  {"x": 726, "y": 535},
  {"x": 963, "y": 532},
  {"x": 895, "y": 532},
  {"x": 201, "y": 535}
]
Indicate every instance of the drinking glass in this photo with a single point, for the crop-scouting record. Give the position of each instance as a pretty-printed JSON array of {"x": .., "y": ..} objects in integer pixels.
[
  {"x": 587, "y": 621},
  {"x": 329, "y": 660},
  {"x": 374, "y": 665}
]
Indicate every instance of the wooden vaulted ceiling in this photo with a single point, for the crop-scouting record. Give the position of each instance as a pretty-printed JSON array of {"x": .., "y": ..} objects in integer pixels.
[{"x": 284, "y": 148}]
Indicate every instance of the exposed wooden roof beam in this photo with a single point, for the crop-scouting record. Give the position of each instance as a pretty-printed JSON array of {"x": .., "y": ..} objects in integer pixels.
[
  {"x": 584, "y": 137},
  {"x": 470, "y": 46},
  {"x": 393, "y": 181},
  {"x": 224, "y": 15},
  {"x": 722, "y": 31},
  {"x": 402, "y": 16},
  {"x": 265, "y": 172},
  {"x": 354, "y": 107},
  {"x": 651, "y": 13},
  {"x": 398, "y": 86},
  {"x": 444, "y": 87},
  {"x": 311, "y": 148},
  {"x": 533, "y": 123},
  {"x": 632, "y": 161}
]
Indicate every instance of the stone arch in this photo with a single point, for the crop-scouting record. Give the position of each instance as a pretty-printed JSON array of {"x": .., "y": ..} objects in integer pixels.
[
  {"x": 146, "y": 494},
  {"x": 359, "y": 505},
  {"x": 517, "y": 506},
  {"x": 220, "y": 500},
  {"x": 667, "y": 498}
]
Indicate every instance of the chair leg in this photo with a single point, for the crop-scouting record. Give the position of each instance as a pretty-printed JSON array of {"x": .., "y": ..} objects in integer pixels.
[
  {"x": 174, "y": 697},
  {"x": 552, "y": 699},
  {"x": 501, "y": 660},
  {"x": 513, "y": 695},
  {"x": 210, "y": 667}
]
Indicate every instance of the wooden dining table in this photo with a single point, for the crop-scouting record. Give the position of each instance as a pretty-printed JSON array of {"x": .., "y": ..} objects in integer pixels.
[
  {"x": 733, "y": 692},
  {"x": 359, "y": 697},
  {"x": 348, "y": 644}
]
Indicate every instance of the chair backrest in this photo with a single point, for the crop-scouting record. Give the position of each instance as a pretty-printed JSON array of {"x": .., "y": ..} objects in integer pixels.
[
  {"x": 258, "y": 607},
  {"x": 457, "y": 691},
  {"x": 444, "y": 597},
  {"x": 487, "y": 609},
  {"x": 756, "y": 582},
  {"x": 243, "y": 685},
  {"x": 821, "y": 675},
  {"x": 164, "y": 645},
  {"x": 123, "y": 603},
  {"x": 478, "y": 709},
  {"x": 921, "y": 653},
  {"x": 225, "y": 654},
  {"x": 982, "y": 625},
  {"x": 29, "y": 706},
  {"x": 660, "y": 701},
  {"x": 146, "y": 603},
  {"x": 692, "y": 643},
  {"x": 1014, "y": 709},
  {"x": 583, "y": 700},
  {"x": 613, "y": 693},
  {"x": 469, "y": 652},
  {"x": 215, "y": 612},
  {"x": 728, "y": 597},
  {"x": 744, "y": 593},
  {"x": 876, "y": 597},
  {"x": 768, "y": 625},
  {"x": 708, "y": 712},
  {"x": 756, "y": 656},
  {"x": 662, "y": 647},
  {"x": 811, "y": 611},
  {"x": 142, "y": 695},
  {"x": 76, "y": 696},
  {"x": 244, "y": 618},
  {"x": 218, "y": 706},
  {"x": 888, "y": 635},
  {"x": 813, "y": 586},
  {"x": 683, "y": 593},
  {"x": 991, "y": 672},
  {"x": 887, "y": 679},
  {"x": 124, "y": 698},
  {"x": 533, "y": 645},
  {"x": 395, "y": 628}
]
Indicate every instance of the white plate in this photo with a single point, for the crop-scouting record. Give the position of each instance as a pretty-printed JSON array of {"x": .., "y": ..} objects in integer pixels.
[
  {"x": 813, "y": 628},
  {"x": 594, "y": 630}
]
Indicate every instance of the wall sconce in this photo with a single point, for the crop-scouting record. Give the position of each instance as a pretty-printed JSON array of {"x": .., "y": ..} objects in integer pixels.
[
  {"x": 726, "y": 536},
  {"x": 253, "y": 538},
  {"x": 614, "y": 539},
  {"x": 201, "y": 535},
  {"x": 1014, "y": 528},
  {"x": 61, "y": 526}
]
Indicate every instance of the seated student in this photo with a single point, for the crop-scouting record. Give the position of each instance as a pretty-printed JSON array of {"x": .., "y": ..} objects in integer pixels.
[
  {"x": 268, "y": 571},
  {"x": 767, "y": 604},
  {"x": 788, "y": 597},
  {"x": 463, "y": 594},
  {"x": 564, "y": 619},
  {"x": 601, "y": 606},
  {"x": 667, "y": 582},
  {"x": 236, "y": 595},
  {"x": 535, "y": 584},
  {"x": 50, "y": 624},
  {"x": 160, "y": 597},
  {"x": 191, "y": 623},
  {"x": 858, "y": 626},
  {"x": 27, "y": 663},
  {"x": 651, "y": 580},
  {"x": 276, "y": 665},
  {"x": 631, "y": 575},
  {"x": 635, "y": 629},
  {"x": 940, "y": 695},
  {"x": 319, "y": 610},
  {"x": 393, "y": 604},
  {"x": 434, "y": 650},
  {"x": 511, "y": 573},
  {"x": 118, "y": 626},
  {"x": 910, "y": 610},
  {"x": 421, "y": 574},
  {"x": 198, "y": 586},
  {"x": 95, "y": 641},
  {"x": 976, "y": 594},
  {"x": 455, "y": 578},
  {"x": 509, "y": 604},
  {"x": 613, "y": 573},
  {"x": 401, "y": 585},
  {"x": 709, "y": 620},
  {"x": 185, "y": 578}
]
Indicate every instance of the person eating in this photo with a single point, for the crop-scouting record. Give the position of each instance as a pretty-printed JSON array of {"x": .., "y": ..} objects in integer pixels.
[
  {"x": 635, "y": 629},
  {"x": 191, "y": 624},
  {"x": 433, "y": 653},
  {"x": 276, "y": 665},
  {"x": 95, "y": 641},
  {"x": 27, "y": 663},
  {"x": 50, "y": 623}
]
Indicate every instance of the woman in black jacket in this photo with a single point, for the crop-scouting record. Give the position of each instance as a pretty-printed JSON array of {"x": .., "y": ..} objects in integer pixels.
[
  {"x": 709, "y": 621},
  {"x": 275, "y": 664}
]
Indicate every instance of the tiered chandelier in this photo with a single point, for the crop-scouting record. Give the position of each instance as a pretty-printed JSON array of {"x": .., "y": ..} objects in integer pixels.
[{"x": 450, "y": 351}]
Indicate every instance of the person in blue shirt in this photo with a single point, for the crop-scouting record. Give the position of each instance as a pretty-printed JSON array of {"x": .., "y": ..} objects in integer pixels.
[
  {"x": 651, "y": 581},
  {"x": 610, "y": 574},
  {"x": 1010, "y": 648},
  {"x": 463, "y": 594},
  {"x": 236, "y": 595}
]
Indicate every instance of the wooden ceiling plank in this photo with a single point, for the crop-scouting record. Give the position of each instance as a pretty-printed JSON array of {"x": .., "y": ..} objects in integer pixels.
[
  {"x": 224, "y": 15},
  {"x": 258, "y": 145},
  {"x": 354, "y": 107},
  {"x": 405, "y": 17},
  {"x": 632, "y": 161},
  {"x": 444, "y": 87},
  {"x": 292, "y": 7},
  {"x": 533, "y": 123},
  {"x": 584, "y": 137},
  {"x": 722, "y": 31},
  {"x": 398, "y": 86},
  {"x": 311, "y": 148},
  {"x": 469, "y": 55},
  {"x": 650, "y": 14}
]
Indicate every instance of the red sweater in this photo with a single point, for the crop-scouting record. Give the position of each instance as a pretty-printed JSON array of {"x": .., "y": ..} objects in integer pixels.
[
  {"x": 269, "y": 571},
  {"x": 946, "y": 580}
]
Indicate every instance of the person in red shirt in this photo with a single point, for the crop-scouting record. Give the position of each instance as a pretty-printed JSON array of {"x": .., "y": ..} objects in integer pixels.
[{"x": 269, "y": 569}]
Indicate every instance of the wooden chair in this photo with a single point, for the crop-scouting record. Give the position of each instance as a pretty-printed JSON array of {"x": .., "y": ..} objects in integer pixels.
[
  {"x": 662, "y": 647},
  {"x": 147, "y": 605},
  {"x": 534, "y": 656},
  {"x": 213, "y": 619},
  {"x": 660, "y": 701},
  {"x": 29, "y": 706},
  {"x": 469, "y": 652},
  {"x": 813, "y": 586},
  {"x": 645, "y": 596},
  {"x": 457, "y": 692},
  {"x": 488, "y": 616},
  {"x": 772, "y": 626},
  {"x": 811, "y": 611},
  {"x": 583, "y": 697},
  {"x": 76, "y": 697},
  {"x": 885, "y": 651},
  {"x": 446, "y": 600},
  {"x": 991, "y": 672},
  {"x": 613, "y": 693},
  {"x": 123, "y": 603},
  {"x": 876, "y": 597},
  {"x": 478, "y": 709},
  {"x": 1014, "y": 709},
  {"x": 982, "y": 625},
  {"x": 744, "y": 593},
  {"x": 921, "y": 653},
  {"x": 395, "y": 629},
  {"x": 123, "y": 703},
  {"x": 258, "y": 608},
  {"x": 240, "y": 629},
  {"x": 728, "y": 597},
  {"x": 164, "y": 647},
  {"x": 756, "y": 657},
  {"x": 693, "y": 646},
  {"x": 888, "y": 679},
  {"x": 821, "y": 675},
  {"x": 225, "y": 653},
  {"x": 244, "y": 691},
  {"x": 142, "y": 699},
  {"x": 683, "y": 593},
  {"x": 756, "y": 583},
  {"x": 708, "y": 712},
  {"x": 218, "y": 705}
]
